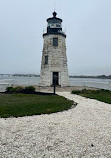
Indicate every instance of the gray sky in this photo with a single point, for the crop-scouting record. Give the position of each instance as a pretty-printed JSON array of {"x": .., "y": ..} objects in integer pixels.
[{"x": 88, "y": 29}]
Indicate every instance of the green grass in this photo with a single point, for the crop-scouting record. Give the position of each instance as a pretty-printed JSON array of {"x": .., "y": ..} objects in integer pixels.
[
  {"x": 17, "y": 105},
  {"x": 101, "y": 95}
]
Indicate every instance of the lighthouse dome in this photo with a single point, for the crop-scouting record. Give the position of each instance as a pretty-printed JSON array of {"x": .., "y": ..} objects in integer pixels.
[{"x": 54, "y": 25}]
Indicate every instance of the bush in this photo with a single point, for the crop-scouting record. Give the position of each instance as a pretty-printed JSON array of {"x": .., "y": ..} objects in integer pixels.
[
  {"x": 18, "y": 89},
  {"x": 83, "y": 91},
  {"x": 76, "y": 92},
  {"x": 29, "y": 89},
  {"x": 10, "y": 90},
  {"x": 79, "y": 91}
]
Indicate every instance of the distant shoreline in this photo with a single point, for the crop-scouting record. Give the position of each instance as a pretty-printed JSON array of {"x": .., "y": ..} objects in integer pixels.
[
  {"x": 95, "y": 77},
  {"x": 82, "y": 76}
]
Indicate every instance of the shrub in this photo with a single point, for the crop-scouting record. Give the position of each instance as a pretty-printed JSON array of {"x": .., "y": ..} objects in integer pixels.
[
  {"x": 105, "y": 90},
  {"x": 10, "y": 90},
  {"x": 76, "y": 92},
  {"x": 29, "y": 89},
  {"x": 18, "y": 89},
  {"x": 83, "y": 91}
]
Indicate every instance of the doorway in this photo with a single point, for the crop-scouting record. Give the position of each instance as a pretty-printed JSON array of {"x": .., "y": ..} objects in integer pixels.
[{"x": 57, "y": 77}]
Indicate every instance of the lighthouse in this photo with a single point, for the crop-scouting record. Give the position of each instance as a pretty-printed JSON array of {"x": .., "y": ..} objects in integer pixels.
[{"x": 54, "y": 59}]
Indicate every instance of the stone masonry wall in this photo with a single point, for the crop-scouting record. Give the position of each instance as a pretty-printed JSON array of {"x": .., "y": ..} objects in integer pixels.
[{"x": 57, "y": 61}]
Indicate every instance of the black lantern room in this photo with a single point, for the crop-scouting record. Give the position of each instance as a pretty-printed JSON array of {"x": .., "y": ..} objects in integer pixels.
[{"x": 54, "y": 26}]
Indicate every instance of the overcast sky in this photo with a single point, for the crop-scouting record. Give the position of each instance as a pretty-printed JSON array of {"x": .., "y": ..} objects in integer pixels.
[{"x": 88, "y": 29}]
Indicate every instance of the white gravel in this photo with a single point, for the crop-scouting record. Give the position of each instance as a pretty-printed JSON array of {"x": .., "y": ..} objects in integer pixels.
[{"x": 81, "y": 132}]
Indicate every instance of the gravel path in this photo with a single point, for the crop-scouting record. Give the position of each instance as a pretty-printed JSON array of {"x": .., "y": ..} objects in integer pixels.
[{"x": 81, "y": 132}]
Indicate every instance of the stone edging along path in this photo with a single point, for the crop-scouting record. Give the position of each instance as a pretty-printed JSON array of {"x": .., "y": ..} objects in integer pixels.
[{"x": 80, "y": 132}]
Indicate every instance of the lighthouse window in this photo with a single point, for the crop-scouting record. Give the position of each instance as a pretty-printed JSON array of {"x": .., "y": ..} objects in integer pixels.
[
  {"x": 55, "y": 41},
  {"x": 46, "y": 59}
]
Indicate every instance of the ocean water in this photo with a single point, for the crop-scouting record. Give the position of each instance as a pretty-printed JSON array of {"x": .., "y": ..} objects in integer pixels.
[
  {"x": 16, "y": 80},
  {"x": 90, "y": 82}
]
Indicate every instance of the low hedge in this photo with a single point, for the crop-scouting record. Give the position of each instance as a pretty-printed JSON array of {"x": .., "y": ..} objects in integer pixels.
[{"x": 19, "y": 89}]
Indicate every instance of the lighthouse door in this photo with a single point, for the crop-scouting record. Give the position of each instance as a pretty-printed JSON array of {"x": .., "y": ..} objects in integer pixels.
[{"x": 56, "y": 77}]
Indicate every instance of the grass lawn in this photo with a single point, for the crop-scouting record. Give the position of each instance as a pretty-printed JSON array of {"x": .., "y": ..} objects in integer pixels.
[
  {"x": 101, "y": 95},
  {"x": 30, "y": 104}
]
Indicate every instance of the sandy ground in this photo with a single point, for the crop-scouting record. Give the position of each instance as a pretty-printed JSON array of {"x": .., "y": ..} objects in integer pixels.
[{"x": 81, "y": 132}]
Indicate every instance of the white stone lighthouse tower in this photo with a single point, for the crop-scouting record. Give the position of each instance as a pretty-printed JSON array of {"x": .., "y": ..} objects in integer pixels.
[{"x": 54, "y": 59}]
